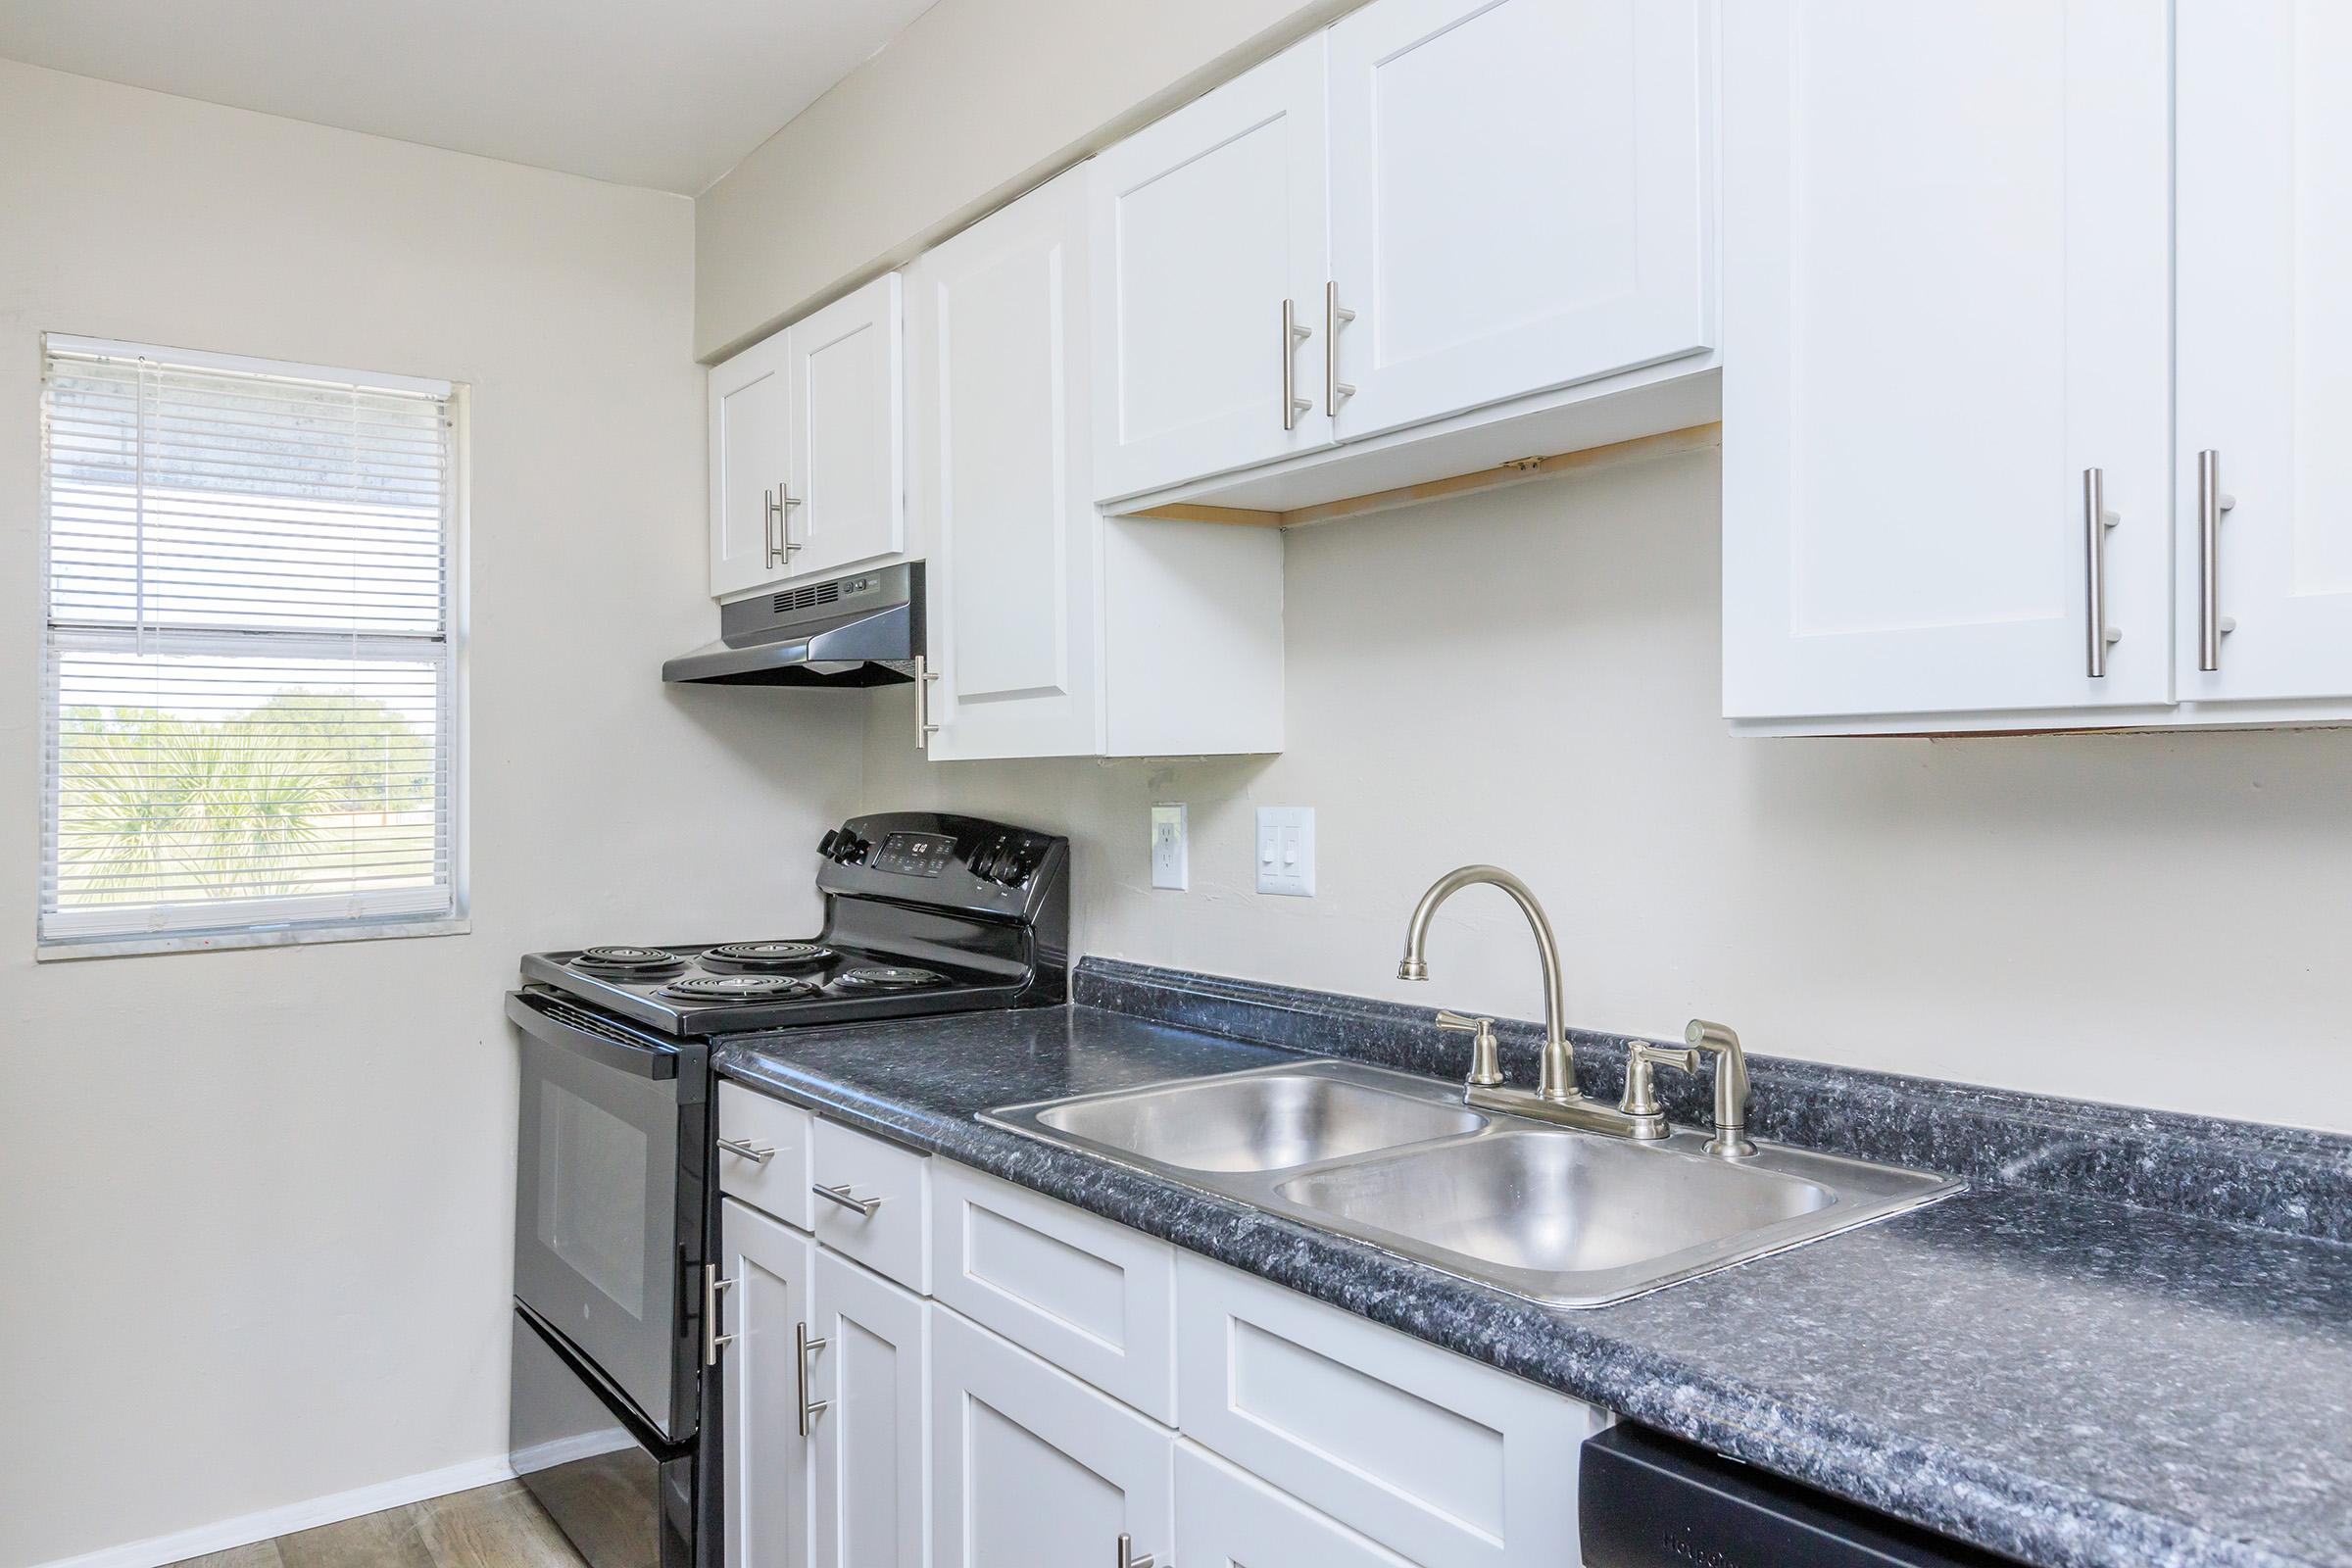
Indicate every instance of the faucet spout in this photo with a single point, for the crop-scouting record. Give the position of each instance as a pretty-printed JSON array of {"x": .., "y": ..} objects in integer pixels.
[{"x": 1556, "y": 1080}]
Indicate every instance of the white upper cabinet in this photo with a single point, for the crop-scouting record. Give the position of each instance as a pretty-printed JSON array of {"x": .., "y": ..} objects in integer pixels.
[
  {"x": 999, "y": 481},
  {"x": 1946, "y": 330},
  {"x": 2266, "y": 306},
  {"x": 1210, "y": 246},
  {"x": 807, "y": 447},
  {"x": 751, "y": 459},
  {"x": 847, "y": 375},
  {"x": 1052, "y": 631},
  {"x": 1518, "y": 201}
]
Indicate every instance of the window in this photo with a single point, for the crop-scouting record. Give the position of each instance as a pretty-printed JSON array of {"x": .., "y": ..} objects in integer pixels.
[{"x": 250, "y": 716}]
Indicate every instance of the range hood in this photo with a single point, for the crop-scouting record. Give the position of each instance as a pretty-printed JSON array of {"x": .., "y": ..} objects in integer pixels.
[{"x": 864, "y": 630}]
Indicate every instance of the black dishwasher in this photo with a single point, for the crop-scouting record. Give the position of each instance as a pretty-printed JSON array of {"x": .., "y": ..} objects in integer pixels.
[{"x": 1648, "y": 1501}]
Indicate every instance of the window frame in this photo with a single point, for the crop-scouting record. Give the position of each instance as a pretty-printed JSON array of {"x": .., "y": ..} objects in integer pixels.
[{"x": 279, "y": 930}]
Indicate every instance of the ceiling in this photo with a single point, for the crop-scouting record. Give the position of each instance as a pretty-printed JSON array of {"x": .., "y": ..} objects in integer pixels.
[{"x": 664, "y": 93}]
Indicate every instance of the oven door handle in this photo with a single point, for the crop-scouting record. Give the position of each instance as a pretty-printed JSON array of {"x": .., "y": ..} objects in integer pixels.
[{"x": 595, "y": 1035}]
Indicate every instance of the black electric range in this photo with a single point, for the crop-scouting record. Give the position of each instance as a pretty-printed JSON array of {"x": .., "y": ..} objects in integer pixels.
[{"x": 617, "y": 1212}]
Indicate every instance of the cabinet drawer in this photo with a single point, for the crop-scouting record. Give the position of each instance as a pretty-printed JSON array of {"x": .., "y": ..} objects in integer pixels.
[
  {"x": 879, "y": 1210},
  {"x": 1089, "y": 1295},
  {"x": 1452, "y": 1464},
  {"x": 778, "y": 1183}
]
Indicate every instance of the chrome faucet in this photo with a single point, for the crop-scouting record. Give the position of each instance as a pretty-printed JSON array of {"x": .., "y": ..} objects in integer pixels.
[{"x": 1556, "y": 1098}]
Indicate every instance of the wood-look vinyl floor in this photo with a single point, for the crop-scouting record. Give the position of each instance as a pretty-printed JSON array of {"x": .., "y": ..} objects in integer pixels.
[{"x": 490, "y": 1527}]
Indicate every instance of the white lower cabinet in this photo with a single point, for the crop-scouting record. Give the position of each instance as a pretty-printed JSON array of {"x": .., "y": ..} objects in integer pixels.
[
  {"x": 1226, "y": 1518},
  {"x": 1032, "y": 1468},
  {"x": 870, "y": 1457},
  {"x": 766, "y": 1475},
  {"x": 1211, "y": 1418},
  {"x": 1446, "y": 1462}
]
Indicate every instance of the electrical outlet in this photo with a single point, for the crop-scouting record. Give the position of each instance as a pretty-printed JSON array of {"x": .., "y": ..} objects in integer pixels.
[
  {"x": 1286, "y": 850},
  {"x": 1169, "y": 862}
]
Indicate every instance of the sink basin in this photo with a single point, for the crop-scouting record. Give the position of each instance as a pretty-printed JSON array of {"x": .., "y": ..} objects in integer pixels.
[
  {"x": 1560, "y": 1216},
  {"x": 1256, "y": 1121},
  {"x": 1539, "y": 1203}
]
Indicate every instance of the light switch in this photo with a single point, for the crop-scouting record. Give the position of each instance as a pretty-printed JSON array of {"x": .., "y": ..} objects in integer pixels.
[
  {"x": 1286, "y": 850},
  {"x": 1169, "y": 864}
]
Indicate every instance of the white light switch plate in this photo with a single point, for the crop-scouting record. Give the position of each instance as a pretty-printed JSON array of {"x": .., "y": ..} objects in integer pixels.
[
  {"x": 1169, "y": 862},
  {"x": 1286, "y": 850}
]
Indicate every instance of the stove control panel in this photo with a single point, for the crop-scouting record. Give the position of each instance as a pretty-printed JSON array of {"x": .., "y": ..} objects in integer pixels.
[
  {"x": 923, "y": 854},
  {"x": 959, "y": 862}
]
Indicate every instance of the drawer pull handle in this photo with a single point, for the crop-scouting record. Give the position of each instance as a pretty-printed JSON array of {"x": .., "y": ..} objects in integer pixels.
[
  {"x": 864, "y": 1207},
  {"x": 805, "y": 1344},
  {"x": 1127, "y": 1557},
  {"x": 756, "y": 1153}
]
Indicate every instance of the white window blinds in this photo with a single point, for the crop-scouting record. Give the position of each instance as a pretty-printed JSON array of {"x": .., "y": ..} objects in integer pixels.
[{"x": 251, "y": 704}]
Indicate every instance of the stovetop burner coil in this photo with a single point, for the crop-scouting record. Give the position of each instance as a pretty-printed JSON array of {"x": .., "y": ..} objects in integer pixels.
[
  {"x": 765, "y": 958},
  {"x": 629, "y": 963},
  {"x": 889, "y": 977},
  {"x": 738, "y": 988}
]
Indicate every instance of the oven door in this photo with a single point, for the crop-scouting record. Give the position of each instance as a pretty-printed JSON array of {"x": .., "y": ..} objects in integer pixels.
[
  {"x": 623, "y": 1496},
  {"x": 609, "y": 1200}
]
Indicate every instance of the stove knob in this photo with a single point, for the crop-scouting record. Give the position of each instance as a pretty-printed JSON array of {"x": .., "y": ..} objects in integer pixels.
[
  {"x": 852, "y": 848},
  {"x": 829, "y": 843}
]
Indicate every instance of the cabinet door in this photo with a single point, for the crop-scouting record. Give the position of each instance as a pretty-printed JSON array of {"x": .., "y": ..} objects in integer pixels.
[
  {"x": 1206, "y": 225},
  {"x": 1518, "y": 200},
  {"x": 848, "y": 503},
  {"x": 1001, "y": 481},
  {"x": 766, "y": 1464},
  {"x": 2265, "y": 305},
  {"x": 870, "y": 1502},
  {"x": 1226, "y": 1519},
  {"x": 1033, "y": 1469},
  {"x": 1947, "y": 299},
  {"x": 751, "y": 458}
]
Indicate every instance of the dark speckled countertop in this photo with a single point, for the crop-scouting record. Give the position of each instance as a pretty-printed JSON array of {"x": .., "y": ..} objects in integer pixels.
[{"x": 2060, "y": 1379}]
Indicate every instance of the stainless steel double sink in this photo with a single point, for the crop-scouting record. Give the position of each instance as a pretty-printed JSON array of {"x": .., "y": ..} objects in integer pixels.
[{"x": 1566, "y": 1218}]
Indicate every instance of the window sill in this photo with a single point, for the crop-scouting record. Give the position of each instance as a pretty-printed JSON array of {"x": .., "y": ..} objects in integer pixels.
[{"x": 284, "y": 937}]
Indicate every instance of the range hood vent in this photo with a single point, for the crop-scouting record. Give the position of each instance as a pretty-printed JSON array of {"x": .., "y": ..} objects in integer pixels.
[{"x": 864, "y": 630}]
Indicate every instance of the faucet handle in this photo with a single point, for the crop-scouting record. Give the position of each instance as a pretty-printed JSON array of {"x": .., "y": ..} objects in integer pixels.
[
  {"x": 1640, "y": 1092},
  {"x": 1485, "y": 1065}
]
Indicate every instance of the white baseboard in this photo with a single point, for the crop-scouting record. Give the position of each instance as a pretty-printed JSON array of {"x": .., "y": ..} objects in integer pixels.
[{"x": 157, "y": 1551}]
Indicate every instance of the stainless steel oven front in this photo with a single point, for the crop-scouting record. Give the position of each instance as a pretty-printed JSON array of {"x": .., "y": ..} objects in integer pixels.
[{"x": 609, "y": 1200}]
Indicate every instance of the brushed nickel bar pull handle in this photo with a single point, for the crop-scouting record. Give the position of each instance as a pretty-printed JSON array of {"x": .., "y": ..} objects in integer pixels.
[
  {"x": 924, "y": 729},
  {"x": 1126, "y": 1557},
  {"x": 712, "y": 1340},
  {"x": 805, "y": 1344},
  {"x": 2096, "y": 521},
  {"x": 864, "y": 1207},
  {"x": 756, "y": 1153},
  {"x": 785, "y": 502},
  {"x": 1293, "y": 334},
  {"x": 1334, "y": 313},
  {"x": 770, "y": 512},
  {"x": 2212, "y": 501}
]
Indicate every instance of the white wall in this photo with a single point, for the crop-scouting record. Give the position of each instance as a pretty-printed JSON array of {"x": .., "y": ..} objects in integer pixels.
[
  {"x": 1531, "y": 678},
  {"x": 975, "y": 100},
  {"x": 254, "y": 1207}
]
